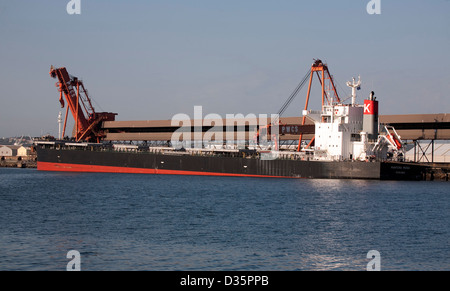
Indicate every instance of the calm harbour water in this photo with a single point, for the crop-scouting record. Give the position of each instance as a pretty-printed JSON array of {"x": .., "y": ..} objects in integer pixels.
[{"x": 151, "y": 222}]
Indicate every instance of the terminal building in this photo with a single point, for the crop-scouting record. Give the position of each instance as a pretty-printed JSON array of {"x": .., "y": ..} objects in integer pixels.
[
  {"x": 8, "y": 150},
  {"x": 14, "y": 151}
]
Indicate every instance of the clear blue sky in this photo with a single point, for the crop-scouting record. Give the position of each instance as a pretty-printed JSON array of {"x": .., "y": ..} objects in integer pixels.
[{"x": 154, "y": 59}]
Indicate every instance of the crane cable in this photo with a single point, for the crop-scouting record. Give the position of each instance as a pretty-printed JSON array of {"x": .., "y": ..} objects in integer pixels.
[{"x": 293, "y": 95}]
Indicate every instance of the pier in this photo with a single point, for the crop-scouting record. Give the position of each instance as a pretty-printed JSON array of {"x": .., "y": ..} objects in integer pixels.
[
  {"x": 438, "y": 172},
  {"x": 15, "y": 162}
]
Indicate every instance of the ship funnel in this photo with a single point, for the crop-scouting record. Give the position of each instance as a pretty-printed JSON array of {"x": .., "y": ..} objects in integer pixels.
[{"x": 370, "y": 121}]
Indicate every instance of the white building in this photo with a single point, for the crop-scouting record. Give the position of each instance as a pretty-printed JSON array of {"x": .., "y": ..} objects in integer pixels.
[
  {"x": 23, "y": 151},
  {"x": 8, "y": 151}
]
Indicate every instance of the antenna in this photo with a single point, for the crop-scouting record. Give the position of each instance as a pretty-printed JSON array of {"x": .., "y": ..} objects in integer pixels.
[{"x": 355, "y": 86}]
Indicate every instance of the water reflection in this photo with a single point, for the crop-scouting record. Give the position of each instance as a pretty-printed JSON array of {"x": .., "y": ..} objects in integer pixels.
[{"x": 144, "y": 222}]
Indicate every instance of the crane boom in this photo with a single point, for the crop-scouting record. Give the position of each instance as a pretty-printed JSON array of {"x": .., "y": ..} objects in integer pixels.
[{"x": 87, "y": 121}]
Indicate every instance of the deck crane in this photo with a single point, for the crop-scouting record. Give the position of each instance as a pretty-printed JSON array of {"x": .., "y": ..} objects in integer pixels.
[
  {"x": 327, "y": 98},
  {"x": 87, "y": 121},
  {"x": 266, "y": 130},
  {"x": 317, "y": 67}
]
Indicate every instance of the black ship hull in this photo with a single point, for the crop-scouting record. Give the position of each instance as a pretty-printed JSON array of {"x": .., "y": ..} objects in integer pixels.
[{"x": 69, "y": 160}]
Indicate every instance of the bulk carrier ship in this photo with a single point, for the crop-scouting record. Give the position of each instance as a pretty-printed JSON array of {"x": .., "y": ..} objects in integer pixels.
[{"x": 348, "y": 143}]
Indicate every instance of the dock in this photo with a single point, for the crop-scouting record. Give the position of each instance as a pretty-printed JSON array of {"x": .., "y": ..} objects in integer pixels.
[
  {"x": 438, "y": 172},
  {"x": 15, "y": 162}
]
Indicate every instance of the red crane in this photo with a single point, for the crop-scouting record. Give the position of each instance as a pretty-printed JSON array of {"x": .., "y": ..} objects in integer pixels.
[
  {"x": 327, "y": 83},
  {"x": 319, "y": 67},
  {"x": 87, "y": 121}
]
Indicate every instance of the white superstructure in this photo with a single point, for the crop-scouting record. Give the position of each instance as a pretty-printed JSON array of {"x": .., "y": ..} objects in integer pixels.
[{"x": 339, "y": 130}]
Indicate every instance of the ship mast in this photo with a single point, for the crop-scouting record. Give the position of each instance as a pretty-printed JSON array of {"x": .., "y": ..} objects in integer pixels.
[
  {"x": 355, "y": 86},
  {"x": 59, "y": 125}
]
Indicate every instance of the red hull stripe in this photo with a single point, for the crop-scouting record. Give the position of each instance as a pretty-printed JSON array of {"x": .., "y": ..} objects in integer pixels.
[{"x": 59, "y": 167}]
